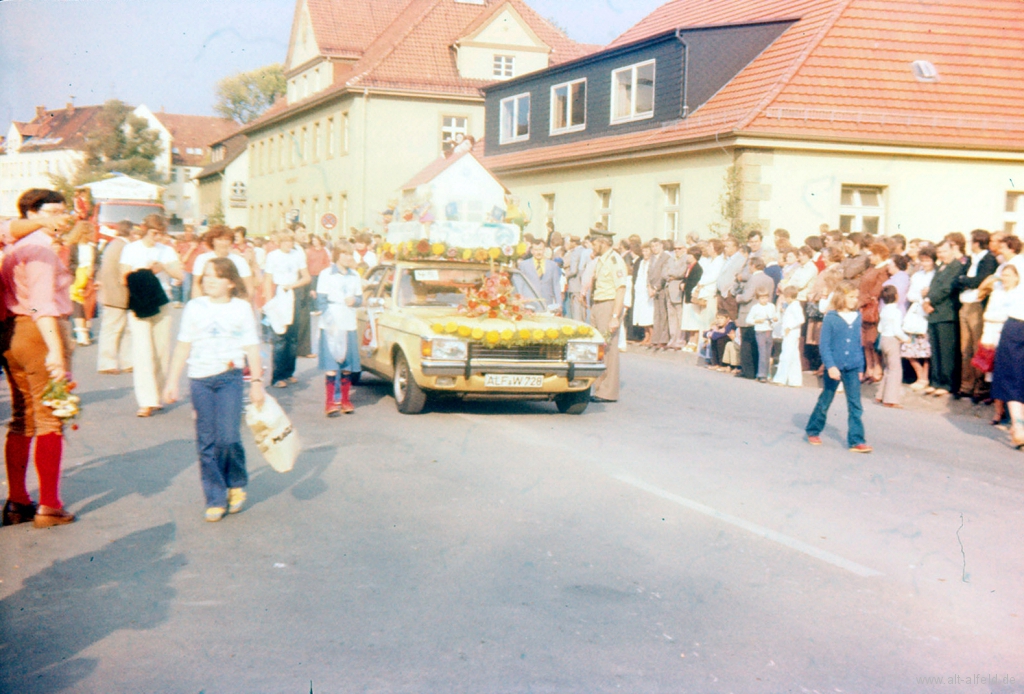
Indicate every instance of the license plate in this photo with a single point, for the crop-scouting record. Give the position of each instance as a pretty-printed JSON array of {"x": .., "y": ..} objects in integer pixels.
[{"x": 513, "y": 381}]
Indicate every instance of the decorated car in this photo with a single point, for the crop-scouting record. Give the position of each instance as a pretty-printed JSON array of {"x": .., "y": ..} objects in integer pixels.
[{"x": 447, "y": 321}]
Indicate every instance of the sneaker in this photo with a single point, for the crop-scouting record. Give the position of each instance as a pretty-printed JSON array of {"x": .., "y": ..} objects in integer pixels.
[
  {"x": 814, "y": 440},
  {"x": 236, "y": 497},
  {"x": 928, "y": 390},
  {"x": 214, "y": 514},
  {"x": 861, "y": 448}
]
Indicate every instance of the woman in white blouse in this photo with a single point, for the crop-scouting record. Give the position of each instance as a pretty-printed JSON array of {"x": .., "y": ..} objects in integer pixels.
[{"x": 918, "y": 351}]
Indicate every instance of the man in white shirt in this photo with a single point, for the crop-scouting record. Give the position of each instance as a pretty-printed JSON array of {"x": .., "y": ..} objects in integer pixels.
[
  {"x": 284, "y": 272},
  {"x": 220, "y": 239},
  {"x": 151, "y": 337}
]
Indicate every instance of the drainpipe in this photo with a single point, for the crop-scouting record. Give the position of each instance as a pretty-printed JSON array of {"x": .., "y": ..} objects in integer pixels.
[
  {"x": 684, "y": 109},
  {"x": 366, "y": 127}
]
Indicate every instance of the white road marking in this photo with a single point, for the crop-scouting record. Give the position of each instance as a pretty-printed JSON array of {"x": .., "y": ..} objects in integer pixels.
[{"x": 767, "y": 534}]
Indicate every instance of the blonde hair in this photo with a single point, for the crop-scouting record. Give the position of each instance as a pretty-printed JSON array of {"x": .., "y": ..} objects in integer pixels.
[{"x": 843, "y": 290}]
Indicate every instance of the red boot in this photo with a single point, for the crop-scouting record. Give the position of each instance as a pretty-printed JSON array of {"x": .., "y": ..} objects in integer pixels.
[
  {"x": 331, "y": 408},
  {"x": 346, "y": 387}
]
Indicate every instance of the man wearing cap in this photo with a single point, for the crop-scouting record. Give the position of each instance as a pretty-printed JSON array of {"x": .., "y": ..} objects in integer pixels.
[{"x": 610, "y": 277}]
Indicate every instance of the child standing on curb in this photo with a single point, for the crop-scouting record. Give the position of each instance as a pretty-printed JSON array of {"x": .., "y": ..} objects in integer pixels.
[
  {"x": 763, "y": 316},
  {"x": 217, "y": 336},
  {"x": 790, "y": 372},
  {"x": 339, "y": 290},
  {"x": 843, "y": 358}
]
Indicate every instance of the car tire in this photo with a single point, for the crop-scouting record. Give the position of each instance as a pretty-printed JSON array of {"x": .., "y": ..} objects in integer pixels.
[
  {"x": 409, "y": 397},
  {"x": 573, "y": 403}
]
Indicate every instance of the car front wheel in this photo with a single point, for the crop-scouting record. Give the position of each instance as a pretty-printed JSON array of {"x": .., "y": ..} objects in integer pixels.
[
  {"x": 409, "y": 397},
  {"x": 573, "y": 403}
]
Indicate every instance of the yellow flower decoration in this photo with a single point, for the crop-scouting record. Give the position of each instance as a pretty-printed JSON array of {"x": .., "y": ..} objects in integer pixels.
[
  {"x": 537, "y": 334},
  {"x": 521, "y": 249},
  {"x": 584, "y": 330},
  {"x": 478, "y": 333},
  {"x": 493, "y": 336},
  {"x": 568, "y": 330},
  {"x": 451, "y": 327},
  {"x": 464, "y": 331},
  {"x": 437, "y": 328},
  {"x": 481, "y": 254},
  {"x": 467, "y": 254},
  {"x": 507, "y": 335},
  {"x": 494, "y": 253},
  {"x": 551, "y": 334},
  {"x": 408, "y": 246},
  {"x": 524, "y": 334},
  {"x": 437, "y": 249}
]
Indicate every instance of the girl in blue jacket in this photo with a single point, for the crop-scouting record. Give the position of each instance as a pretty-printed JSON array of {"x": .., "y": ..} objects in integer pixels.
[{"x": 843, "y": 357}]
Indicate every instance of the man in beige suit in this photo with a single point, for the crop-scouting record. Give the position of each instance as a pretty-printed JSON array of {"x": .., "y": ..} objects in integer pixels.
[{"x": 115, "y": 344}]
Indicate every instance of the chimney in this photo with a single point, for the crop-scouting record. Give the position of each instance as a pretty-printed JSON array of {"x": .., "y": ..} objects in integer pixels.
[
  {"x": 40, "y": 112},
  {"x": 70, "y": 108}
]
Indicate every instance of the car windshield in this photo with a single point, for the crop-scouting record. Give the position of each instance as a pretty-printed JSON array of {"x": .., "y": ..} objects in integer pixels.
[
  {"x": 446, "y": 286},
  {"x": 114, "y": 213}
]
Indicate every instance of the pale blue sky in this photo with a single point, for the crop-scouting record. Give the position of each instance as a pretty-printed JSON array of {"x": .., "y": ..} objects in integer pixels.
[{"x": 170, "y": 54}]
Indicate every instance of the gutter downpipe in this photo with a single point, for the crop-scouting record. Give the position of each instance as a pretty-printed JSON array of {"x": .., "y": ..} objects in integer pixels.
[
  {"x": 366, "y": 120},
  {"x": 684, "y": 110}
]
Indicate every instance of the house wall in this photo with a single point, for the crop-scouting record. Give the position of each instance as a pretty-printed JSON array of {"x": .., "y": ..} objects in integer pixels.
[
  {"x": 506, "y": 34},
  {"x": 20, "y": 171},
  {"x": 924, "y": 197},
  {"x": 390, "y": 139},
  {"x": 637, "y": 203},
  {"x": 236, "y": 208}
]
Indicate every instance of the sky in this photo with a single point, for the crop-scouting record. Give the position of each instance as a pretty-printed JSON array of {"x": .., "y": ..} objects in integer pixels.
[{"x": 171, "y": 54}]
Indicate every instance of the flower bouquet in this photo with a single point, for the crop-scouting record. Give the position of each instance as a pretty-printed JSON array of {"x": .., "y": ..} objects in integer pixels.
[{"x": 58, "y": 397}]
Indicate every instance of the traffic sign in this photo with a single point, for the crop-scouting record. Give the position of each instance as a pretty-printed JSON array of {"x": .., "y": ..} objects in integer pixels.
[{"x": 328, "y": 221}]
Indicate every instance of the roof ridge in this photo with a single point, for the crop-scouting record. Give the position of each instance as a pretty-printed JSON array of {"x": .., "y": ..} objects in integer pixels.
[
  {"x": 372, "y": 61},
  {"x": 809, "y": 48}
]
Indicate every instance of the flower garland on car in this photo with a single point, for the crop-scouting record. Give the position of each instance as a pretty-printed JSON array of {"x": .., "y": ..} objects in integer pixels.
[
  {"x": 495, "y": 298},
  {"x": 425, "y": 250}
]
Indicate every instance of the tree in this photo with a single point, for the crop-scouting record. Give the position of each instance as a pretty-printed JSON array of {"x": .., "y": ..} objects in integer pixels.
[
  {"x": 730, "y": 208},
  {"x": 245, "y": 96},
  {"x": 121, "y": 142}
]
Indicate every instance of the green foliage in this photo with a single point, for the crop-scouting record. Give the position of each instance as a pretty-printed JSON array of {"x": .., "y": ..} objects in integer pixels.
[
  {"x": 730, "y": 208},
  {"x": 121, "y": 142},
  {"x": 243, "y": 97},
  {"x": 218, "y": 215}
]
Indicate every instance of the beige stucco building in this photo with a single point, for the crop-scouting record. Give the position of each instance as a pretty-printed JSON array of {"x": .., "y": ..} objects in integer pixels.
[
  {"x": 847, "y": 114},
  {"x": 376, "y": 94}
]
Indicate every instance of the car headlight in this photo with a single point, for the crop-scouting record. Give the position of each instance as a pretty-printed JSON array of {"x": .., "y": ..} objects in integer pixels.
[
  {"x": 583, "y": 351},
  {"x": 445, "y": 350}
]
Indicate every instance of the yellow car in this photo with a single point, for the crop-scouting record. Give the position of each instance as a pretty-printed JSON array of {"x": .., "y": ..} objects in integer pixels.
[{"x": 472, "y": 330}]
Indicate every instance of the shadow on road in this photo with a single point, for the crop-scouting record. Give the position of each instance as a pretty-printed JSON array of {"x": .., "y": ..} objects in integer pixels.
[
  {"x": 91, "y": 397},
  {"x": 78, "y": 602},
  {"x": 305, "y": 480},
  {"x": 146, "y": 471}
]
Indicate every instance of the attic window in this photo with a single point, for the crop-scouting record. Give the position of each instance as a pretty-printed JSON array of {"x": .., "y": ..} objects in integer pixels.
[
  {"x": 924, "y": 71},
  {"x": 470, "y": 2}
]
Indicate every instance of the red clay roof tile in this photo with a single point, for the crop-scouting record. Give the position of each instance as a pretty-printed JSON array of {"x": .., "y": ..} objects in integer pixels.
[{"x": 194, "y": 132}]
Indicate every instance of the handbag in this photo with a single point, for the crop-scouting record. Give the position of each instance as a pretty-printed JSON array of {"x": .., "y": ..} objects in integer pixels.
[
  {"x": 914, "y": 323},
  {"x": 984, "y": 359},
  {"x": 275, "y": 437}
]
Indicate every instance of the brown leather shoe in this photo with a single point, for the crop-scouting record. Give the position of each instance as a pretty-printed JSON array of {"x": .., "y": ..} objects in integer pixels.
[
  {"x": 15, "y": 513},
  {"x": 47, "y": 517}
]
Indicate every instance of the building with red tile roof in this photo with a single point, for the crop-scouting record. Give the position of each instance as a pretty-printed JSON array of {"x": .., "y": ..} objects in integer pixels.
[
  {"x": 376, "y": 91},
  {"x": 915, "y": 107}
]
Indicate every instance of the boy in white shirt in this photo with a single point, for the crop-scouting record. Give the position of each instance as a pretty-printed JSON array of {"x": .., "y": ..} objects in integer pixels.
[
  {"x": 762, "y": 316},
  {"x": 285, "y": 272}
]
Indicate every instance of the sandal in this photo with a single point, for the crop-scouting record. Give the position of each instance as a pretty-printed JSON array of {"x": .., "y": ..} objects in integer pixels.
[
  {"x": 281, "y": 384},
  {"x": 146, "y": 411}
]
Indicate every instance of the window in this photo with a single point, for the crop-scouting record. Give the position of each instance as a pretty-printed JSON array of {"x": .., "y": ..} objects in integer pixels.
[
  {"x": 861, "y": 209},
  {"x": 1014, "y": 220},
  {"x": 453, "y": 130},
  {"x": 670, "y": 202},
  {"x": 342, "y": 214},
  {"x": 329, "y": 145},
  {"x": 569, "y": 107},
  {"x": 303, "y": 154},
  {"x": 291, "y": 148},
  {"x": 344, "y": 132},
  {"x": 549, "y": 209},
  {"x": 316, "y": 141},
  {"x": 515, "y": 118},
  {"x": 604, "y": 207},
  {"x": 633, "y": 92},
  {"x": 504, "y": 66}
]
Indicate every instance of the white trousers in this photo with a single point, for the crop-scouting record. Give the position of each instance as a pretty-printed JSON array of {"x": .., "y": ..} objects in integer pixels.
[
  {"x": 151, "y": 355},
  {"x": 115, "y": 344}
]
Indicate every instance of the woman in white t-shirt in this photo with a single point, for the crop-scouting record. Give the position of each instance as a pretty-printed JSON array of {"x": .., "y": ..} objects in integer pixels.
[{"x": 217, "y": 336}]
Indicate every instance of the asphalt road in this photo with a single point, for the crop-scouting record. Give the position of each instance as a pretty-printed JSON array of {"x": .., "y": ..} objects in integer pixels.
[{"x": 685, "y": 539}]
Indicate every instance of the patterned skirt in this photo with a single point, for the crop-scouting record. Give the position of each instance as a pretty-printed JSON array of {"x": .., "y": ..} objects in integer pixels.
[{"x": 917, "y": 348}]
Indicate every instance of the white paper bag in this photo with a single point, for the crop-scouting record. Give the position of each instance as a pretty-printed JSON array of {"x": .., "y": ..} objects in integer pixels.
[
  {"x": 280, "y": 311},
  {"x": 275, "y": 437},
  {"x": 337, "y": 337}
]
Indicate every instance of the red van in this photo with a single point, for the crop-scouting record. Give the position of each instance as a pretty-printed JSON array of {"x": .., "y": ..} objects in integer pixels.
[{"x": 107, "y": 213}]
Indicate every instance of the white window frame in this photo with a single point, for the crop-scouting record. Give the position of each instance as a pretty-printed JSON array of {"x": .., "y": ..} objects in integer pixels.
[
  {"x": 1013, "y": 212},
  {"x": 550, "y": 203},
  {"x": 671, "y": 208},
  {"x": 503, "y": 66},
  {"x": 633, "y": 115},
  {"x": 503, "y": 139},
  {"x": 604, "y": 207},
  {"x": 858, "y": 211},
  {"x": 329, "y": 144},
  {"x": 568, "y": 111},
  {"x": 450, "y": 132}
]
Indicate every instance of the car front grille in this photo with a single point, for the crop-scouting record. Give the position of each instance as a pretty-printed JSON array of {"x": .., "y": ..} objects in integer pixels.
[{"x": 524, "y": 353}]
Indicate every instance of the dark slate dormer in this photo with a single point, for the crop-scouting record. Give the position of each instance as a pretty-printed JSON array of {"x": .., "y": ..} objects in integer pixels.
[{"x": 715, "y": 56}]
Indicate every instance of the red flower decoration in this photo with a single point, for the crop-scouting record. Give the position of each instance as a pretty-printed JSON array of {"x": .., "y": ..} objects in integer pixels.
[{"x": 423, "y": 247}]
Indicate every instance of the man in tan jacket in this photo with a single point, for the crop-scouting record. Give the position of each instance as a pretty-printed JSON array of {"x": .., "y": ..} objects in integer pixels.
[{"x": 115, "y": 344}]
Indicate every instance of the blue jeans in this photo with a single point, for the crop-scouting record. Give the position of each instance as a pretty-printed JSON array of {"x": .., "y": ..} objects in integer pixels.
[
  {"x": 851, "y": 383},
  {"x": 218, "y": 404},
  {"x": 285, "y": 349}
]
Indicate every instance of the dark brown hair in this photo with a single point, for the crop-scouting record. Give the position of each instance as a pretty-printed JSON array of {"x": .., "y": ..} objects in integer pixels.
[
  {"x": 32, "y": 200},
  {"x": 225, "y": 269}
]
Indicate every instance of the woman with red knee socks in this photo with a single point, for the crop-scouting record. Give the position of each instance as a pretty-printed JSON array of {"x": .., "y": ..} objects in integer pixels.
[{"x": 37, "y": 348}]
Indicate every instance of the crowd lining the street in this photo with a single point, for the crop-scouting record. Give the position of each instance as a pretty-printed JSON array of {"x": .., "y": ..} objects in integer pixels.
[{"x": 848, "y": 307}]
